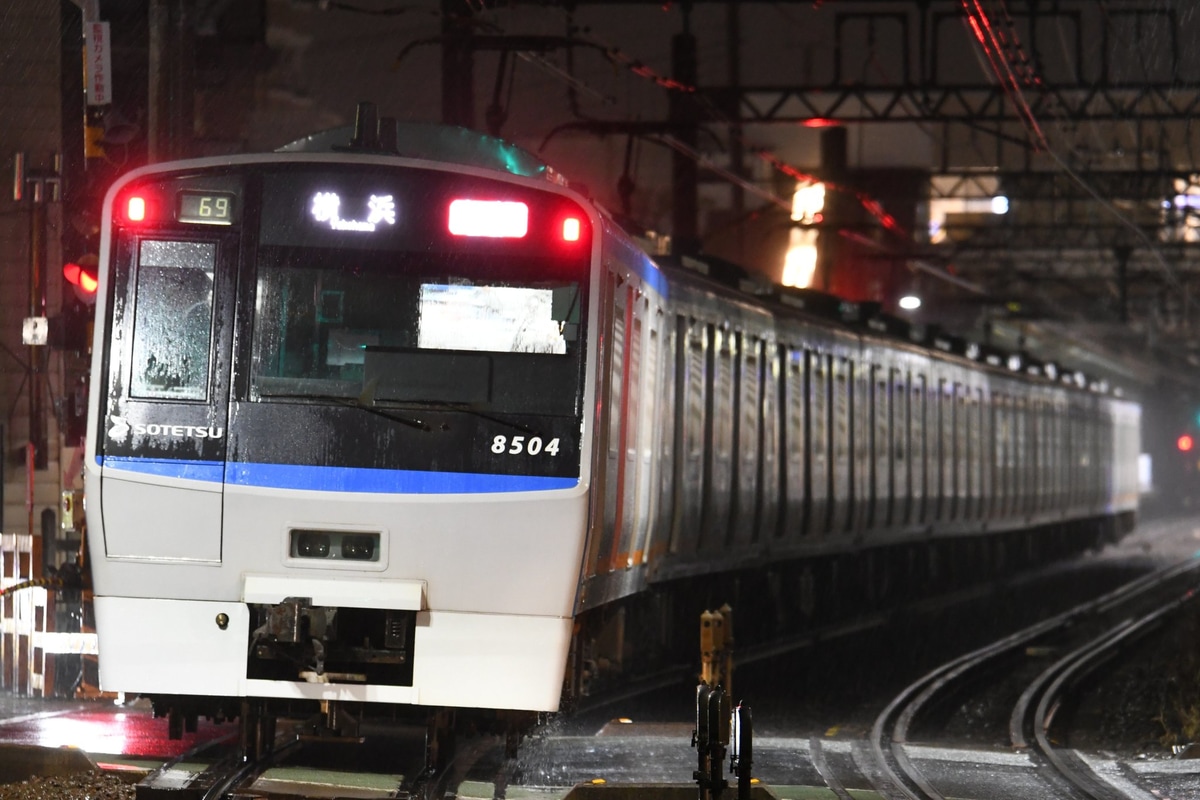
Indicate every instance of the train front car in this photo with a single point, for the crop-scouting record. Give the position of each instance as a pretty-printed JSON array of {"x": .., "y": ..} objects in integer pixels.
[{"x": 337, "y": 442}]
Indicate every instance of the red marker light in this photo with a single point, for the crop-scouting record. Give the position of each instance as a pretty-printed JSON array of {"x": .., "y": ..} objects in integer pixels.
[
  {"x": 571, "y": 229},
  {"x": 492, "y": 219},
  {"x": 77, "y": 275},
  {"x": 135, "y": 211},
  {"x": 1184, "y": 443}
]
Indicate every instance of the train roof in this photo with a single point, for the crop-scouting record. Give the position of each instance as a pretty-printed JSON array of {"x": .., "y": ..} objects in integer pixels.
[
  {"x": 869, "y": 318},
  {"x": 375, "y": 135}
]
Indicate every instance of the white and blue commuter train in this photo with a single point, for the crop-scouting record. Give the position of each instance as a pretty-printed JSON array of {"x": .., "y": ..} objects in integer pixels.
[{"x": 419, "y": 425}]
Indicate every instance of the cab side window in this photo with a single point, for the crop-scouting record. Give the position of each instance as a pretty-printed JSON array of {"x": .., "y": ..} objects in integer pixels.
[{"x": 173, "y": 312}]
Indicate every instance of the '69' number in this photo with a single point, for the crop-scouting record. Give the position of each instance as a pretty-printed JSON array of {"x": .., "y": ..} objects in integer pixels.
[{"x": 533, "y": 445}]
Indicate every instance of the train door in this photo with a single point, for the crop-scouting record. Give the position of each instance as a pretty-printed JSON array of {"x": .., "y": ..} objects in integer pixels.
[
  {"x": 987, "y": 508},
  {"x": 1071, "y": 448},
  {"x": 691, "y": 360},
  {"x": 962, "y": 451},
  {"x": 612, "y": 318},
  {"x": 1006, "y": 438},
  {"x": 166, "y": 406},
  {"x": 1047, "y": 483},
  {"x": 1060, "y": 450},
  {"x": 1023, "y": 462},
  {"x": 1037, "y": 453},
  {"x": 649, "y": 431},
  {"x": 1081, "y": 417},
  {"x": 901, "y": 449},
  {"x": 841, "y": 443},
  {"x": 1000, "y": 456},
  {"x": 1104, "y": 427},
  {"x": 918, "y": 448},
  {"x": 881, "y": 445},
  {"x": 841, "y": 450},
  {"x": 860, "y": 444},
  {"x": 770, "y": 463},
  {"x": 666, "y": 439},
  {"x": 943, "y": 434},
  {"x": 793, "y": 494},
  {"x": 978, "y": 438},
  {"x": 748, "y": 440},
  {"x": 632, "y": 433},
  {"x": 1054, "y": 414},
  {"x": 719, "y": 412},
  {"x": 819, "y": 458},
  {"x": 624, "y": 396}
]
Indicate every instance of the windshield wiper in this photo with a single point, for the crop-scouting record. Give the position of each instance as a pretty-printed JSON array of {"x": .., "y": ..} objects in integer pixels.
[
  {"x": 362, "y": 402},
  {"x": 368, "y": 396},
  {"x": 467, "y": 408}
]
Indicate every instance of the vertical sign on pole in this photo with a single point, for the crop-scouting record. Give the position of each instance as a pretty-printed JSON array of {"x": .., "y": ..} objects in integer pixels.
[{"x": 99, "y": 64}]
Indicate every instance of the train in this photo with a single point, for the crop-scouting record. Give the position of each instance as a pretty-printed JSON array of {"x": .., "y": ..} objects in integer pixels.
[{"x": 395, "y": 417}]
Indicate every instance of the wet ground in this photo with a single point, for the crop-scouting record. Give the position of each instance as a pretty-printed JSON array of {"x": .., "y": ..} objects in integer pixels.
[
  {"x": 103, "y": 729},
  {"x": 811, "y": 709}
]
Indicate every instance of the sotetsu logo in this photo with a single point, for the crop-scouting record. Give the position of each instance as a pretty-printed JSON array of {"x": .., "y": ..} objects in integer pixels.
[{"x": 121, "y": 428}]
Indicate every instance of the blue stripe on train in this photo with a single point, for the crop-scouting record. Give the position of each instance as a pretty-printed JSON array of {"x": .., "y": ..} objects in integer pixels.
[
  {"x": 211, "y": 471},
  {"x": 341, "y": 479}
]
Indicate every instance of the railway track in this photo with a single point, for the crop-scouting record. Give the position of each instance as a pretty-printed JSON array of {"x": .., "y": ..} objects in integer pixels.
[
  {"x": 211, "y": 771},
  {"x": 1087, "y": 636},
  {"x": 380, "y": 765}
]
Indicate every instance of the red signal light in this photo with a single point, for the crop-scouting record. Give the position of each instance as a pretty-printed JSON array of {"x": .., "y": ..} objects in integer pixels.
[
  {"x": 1184, "y": 443},
  {"x": 82, "y": 274},
  {"x": 572, "y": 229},
  {"x": 135, "y": 209},
  {"x": 79, "y": 276}
]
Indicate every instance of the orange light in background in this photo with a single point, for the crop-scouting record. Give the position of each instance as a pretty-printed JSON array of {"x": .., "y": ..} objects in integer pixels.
[
  {"x": 1185, "y": 443},
  {"x": 800, "y": 260}
]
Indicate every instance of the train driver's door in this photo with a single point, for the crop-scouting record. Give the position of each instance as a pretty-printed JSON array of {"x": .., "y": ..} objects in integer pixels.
[{"x": 165, "y": 408}]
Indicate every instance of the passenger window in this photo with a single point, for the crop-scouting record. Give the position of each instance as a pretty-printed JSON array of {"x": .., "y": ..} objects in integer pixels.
[{"x": 172, "y": 333}]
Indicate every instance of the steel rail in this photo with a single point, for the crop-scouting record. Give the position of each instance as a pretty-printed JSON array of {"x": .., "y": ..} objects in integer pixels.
[
  {"x": 239, "y": 772},
  {"x": 889, "y": 733},
  {"x": 1037, "y": 706}
]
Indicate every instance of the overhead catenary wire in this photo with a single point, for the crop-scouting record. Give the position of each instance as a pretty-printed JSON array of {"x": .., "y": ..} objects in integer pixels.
[
  {"x": 641, "y": 69},
  {"x": 646, "y": 72},
  {"x": 983, "y": 24},
  {"x": 1007, "y": 60}
]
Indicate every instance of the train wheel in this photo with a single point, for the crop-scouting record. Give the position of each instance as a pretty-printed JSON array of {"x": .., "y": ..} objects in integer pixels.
[
  {"x": 257, "y": 730},
  {"x": 439, "y": 741}
]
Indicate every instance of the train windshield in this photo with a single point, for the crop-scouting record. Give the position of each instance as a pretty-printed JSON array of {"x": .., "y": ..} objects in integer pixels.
[{"x": 380, "y": 327}]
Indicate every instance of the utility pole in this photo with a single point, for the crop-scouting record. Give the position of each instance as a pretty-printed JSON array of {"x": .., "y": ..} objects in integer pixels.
[
  {"x": 171, "y": 60},
  {"x": 838, "y": 205},
  {"x": 458, "y": 64},
  {"x": 733, "y": 32},
  {"x": 40, "y": 187},
  {"x": 684, "y": 120}
]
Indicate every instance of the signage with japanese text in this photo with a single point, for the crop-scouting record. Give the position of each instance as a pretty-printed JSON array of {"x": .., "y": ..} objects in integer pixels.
[{"x": 98, "y": 66}]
